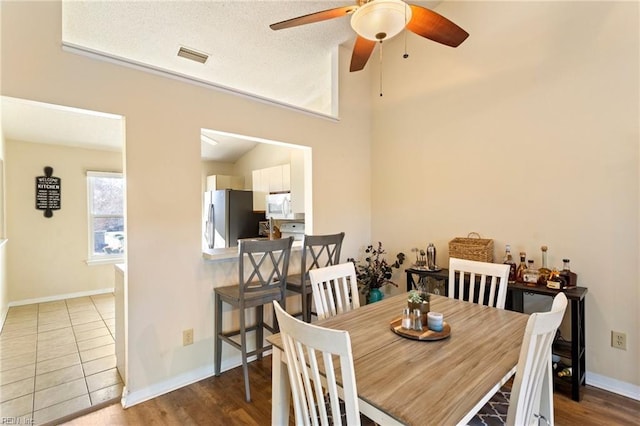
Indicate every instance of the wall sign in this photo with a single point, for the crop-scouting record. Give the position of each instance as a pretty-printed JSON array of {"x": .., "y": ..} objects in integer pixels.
[{"x": 48, "y": 192}]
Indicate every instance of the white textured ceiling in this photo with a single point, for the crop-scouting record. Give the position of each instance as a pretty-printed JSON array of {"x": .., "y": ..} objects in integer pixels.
[
  {"x": 31, "y": 121},
  {"x": 291, "y": 66}
]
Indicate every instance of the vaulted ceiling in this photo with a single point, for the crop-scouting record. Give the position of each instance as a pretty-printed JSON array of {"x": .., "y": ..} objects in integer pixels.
[{"x": 291, "y": 66}]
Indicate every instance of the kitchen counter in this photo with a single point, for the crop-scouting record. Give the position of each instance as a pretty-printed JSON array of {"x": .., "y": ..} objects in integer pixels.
[{"x": 231, "y": 253}]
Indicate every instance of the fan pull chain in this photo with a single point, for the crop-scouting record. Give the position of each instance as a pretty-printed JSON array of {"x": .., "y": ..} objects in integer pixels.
[
  {"x": 406, "y": 21},
  {"x": 406, "y": 55},
  {"x": 380, "y": 68}
]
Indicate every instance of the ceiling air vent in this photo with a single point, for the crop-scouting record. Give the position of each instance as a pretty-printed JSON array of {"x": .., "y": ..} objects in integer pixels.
[{"x": 193, "y": 55}]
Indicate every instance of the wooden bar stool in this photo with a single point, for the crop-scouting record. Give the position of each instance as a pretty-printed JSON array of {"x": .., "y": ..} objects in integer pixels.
[{"x": 268, "y": 262}]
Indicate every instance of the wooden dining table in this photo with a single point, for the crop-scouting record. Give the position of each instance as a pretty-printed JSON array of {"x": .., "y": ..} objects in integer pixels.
[{"x": 401, "y": 381}]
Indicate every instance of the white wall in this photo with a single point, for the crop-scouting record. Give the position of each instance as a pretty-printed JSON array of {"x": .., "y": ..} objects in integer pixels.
[
  {"x": 170, "y": 286},
  {"x": 528, "y": 134},
  {"x": 47, "y": 256}
]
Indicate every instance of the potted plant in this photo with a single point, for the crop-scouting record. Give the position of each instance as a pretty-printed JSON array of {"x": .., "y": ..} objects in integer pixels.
[
  {"x": 419, "y": 299},
  {"x": 375, "y": 272}
]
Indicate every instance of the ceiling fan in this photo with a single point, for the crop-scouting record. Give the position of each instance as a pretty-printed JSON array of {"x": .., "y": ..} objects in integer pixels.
[{"x": 379, "y": 20}]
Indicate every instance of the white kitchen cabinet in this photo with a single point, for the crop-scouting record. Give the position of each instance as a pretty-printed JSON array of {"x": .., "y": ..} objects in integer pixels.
[
  {"x": 275, "y": 179},
  {"x": 260, "y": 187},
  {"x": 269, "y": 180},
  {"x": 216, "y": 182},
  {"x": 286, "y": 177}
]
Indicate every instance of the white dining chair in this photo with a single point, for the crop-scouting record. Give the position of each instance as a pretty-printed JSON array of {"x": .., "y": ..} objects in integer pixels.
[
  {"x": 335, "y": 289},
  {"x": 531, "y": 399},
  {"x": 468, "y": 271},
  {"x": 317, "y": 251},
  {"x": 313, "y": 382}
]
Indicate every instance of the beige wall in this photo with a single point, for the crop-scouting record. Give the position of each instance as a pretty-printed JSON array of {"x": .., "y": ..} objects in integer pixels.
[
  {"x": 47, "y": 256},
  {"x": 214, "y": 168},
  {"x": 535, "y": 83},
  {"x": 2, "y": 181},
  {"x": 262, "y": 156},
  {"x": 169, "y": 284},
  {"x": 4, "y": 290},
  {"x": 528, "y": 134}
]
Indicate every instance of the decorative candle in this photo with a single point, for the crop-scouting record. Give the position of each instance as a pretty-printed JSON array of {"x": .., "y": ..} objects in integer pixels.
[{"x": 435, "y": 321}]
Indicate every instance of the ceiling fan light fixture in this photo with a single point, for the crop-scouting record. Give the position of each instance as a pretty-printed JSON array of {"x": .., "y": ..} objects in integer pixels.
[{"x": 380, "y": 20}]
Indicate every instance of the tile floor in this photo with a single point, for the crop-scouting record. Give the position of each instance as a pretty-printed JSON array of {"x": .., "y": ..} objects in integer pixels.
[{"x": 57, "y": 358}]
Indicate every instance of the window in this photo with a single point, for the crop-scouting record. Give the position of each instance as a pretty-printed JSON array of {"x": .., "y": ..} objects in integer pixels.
[{"x": 106, "y": 216}]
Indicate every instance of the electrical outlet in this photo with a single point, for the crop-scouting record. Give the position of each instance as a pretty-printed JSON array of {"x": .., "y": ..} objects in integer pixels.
[
  {"x": 618, "y": 340},
  {"x": 187, "y": 337}
]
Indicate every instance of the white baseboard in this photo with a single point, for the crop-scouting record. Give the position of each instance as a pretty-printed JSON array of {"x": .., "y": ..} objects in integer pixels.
[
  {"x": 130, "y": 399},
  {"x": 61, "y": 297},
  {"x": 613, "y": 385},
  {"x": 3, "y": 317}
]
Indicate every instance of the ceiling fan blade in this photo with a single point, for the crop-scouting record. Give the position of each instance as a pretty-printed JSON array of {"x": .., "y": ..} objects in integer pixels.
[
  {"x": 429, "y": 24},
  {"x": 361, "y": 53},
  {"x": 314, "y": 17}
]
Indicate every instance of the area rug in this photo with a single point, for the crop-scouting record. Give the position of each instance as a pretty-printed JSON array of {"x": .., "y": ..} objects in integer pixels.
[{"x": 494, "y": 412}]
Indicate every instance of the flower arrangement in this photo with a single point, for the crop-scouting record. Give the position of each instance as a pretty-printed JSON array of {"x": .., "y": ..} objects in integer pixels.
[{"x": 375, "y": 272}]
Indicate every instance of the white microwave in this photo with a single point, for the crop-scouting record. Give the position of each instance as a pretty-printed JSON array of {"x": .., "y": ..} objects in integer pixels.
[{"x": 279, "y": 207}]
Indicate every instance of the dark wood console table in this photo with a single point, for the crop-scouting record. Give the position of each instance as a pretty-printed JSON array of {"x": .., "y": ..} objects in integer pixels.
[
  {"x": 573, "y": 350},
  {"x": 415, "y": 276}
]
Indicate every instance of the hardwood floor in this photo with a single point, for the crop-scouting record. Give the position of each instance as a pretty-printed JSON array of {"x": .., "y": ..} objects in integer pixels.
[{"x": 220, "y": 400}]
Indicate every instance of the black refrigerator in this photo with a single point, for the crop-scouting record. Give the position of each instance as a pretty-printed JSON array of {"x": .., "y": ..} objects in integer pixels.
[{"x": 228, "y": 216}]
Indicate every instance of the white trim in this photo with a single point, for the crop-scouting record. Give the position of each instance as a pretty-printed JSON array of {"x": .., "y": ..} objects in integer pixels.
[
  {"x": 107, "y": 260},
  {"x": 97, "y": 173},
  {"x": 61, "y": 297},
  {"x": 613, "y": 385},
  {"x": 3, "y": 241},
  {"x": 129, "y": 399},
  {"x": 94, "y": 54}
]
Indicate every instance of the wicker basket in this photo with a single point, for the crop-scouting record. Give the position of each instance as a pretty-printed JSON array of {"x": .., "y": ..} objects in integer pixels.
[{"x": 477, "y": 248}]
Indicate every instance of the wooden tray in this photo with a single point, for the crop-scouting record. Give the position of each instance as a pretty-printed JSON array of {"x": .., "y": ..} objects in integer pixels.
[{"x": 420, "y": 335}]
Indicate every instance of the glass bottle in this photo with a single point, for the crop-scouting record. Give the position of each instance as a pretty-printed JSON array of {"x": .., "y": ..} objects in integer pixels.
[
  {"x": 521, "y": 267},
  {"x": 570, "y": 278},
  {"x": 544, "y": 271},
  {"x": 531, "y": 274},
  {"x": 431, "y": 257},
  {"x": 508, "y": 260}
]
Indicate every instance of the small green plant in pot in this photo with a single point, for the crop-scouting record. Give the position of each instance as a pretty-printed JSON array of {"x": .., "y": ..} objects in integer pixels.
[{"x": 419, "y": 299}]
